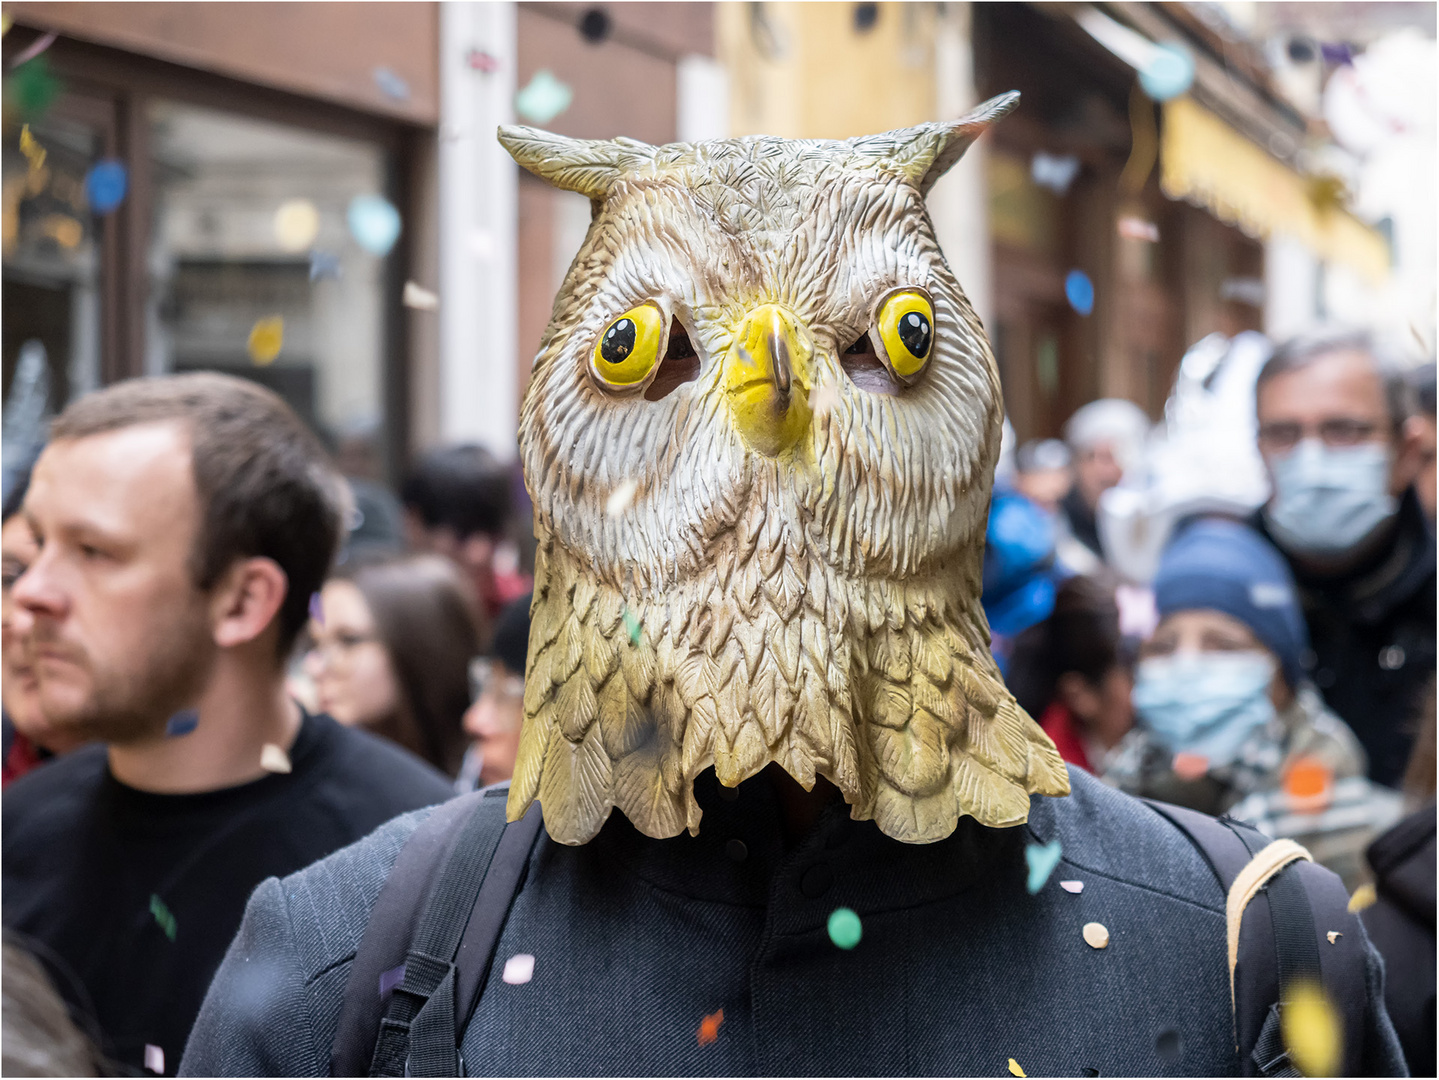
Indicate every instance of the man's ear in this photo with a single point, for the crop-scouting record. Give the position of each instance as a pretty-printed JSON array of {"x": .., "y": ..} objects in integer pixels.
[
  {"x": 1408, "y": 455},
  {"x": 247, "y": 601}
]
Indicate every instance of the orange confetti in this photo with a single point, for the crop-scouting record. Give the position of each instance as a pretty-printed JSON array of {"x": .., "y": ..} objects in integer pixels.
[
  {"x": 1189, "y": 766},
  {"x": 709, "y": 1027},
  {"x": 1309, "y": 783}
]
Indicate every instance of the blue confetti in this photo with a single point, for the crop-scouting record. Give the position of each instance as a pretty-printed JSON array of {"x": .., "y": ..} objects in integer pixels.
[
  {"x": 324, "y": 265},
  {"x": 1169, "y": 72},
  {"x": 391, "y": 85},
  {"x": 182, "y": 723},
  {"x": 1079, "y": 290},
  {"x": 374, "y": 223},
  {"x": 1042, "y": 859},
  {"x": 105, "y": 186}
]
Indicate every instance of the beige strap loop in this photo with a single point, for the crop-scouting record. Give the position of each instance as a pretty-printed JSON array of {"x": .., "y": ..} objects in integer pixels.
[{"x": 1255, "y": 875}]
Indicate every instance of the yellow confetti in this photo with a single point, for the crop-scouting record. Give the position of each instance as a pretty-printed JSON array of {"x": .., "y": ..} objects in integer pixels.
[
  {"x": 1014, "y": 1069},
  {"x": 297, "y": 223},
  {"x": 1311, "y": 1031},
  {"x": 1333, "y": 936},
  {"x": 1095, "y": 935},
  {"x": 1363, "y": 897},
  {"x": 5, "y": 24},
  {"x": 266, "y": 338},
  {"x": 31, "y": 148},
  {"x": 274, "y": 759}
]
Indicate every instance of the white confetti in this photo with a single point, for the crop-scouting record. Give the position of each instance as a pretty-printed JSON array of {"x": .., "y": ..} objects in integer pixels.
[
  {"x": 273, "y": 759},
  {"x": 1333, "y": 936},
  {"x": 1095, "y": 935},
  {"x": 622, "y": 498},
  {"x": 1072, "y": 886},
  {"x": 519, "y": 969},
  {"x": 154, "y": 1059},
  {"x": 421, "y": 299}
]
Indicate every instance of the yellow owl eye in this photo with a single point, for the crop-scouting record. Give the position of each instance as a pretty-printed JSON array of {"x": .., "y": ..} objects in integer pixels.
[
  {"x": 628, "y": 351},
  {"x": 906, "y": 330}
]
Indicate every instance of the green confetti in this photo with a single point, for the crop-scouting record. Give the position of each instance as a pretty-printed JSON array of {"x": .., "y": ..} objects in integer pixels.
[
  {"x": 163, "y": 918},
  {"x": 844, "y": 928},
  {"x": 32, "y": 88},
  {"x": 632, "y": 626}
]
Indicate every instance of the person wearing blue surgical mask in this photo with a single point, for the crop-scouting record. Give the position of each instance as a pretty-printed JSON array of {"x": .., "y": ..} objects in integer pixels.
[
  {"x": 1225, "y": 719},
  {"x": 1342, "y": 446}
]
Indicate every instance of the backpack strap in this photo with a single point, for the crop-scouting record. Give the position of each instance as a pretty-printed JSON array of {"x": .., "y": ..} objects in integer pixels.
[{"x": 439, "y": 914}]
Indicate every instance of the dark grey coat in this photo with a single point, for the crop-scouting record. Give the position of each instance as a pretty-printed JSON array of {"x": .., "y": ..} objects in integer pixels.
[{"x": 636, "y": 941}]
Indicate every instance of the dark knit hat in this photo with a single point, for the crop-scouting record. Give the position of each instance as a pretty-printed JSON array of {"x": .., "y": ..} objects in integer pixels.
[
  {"x": 511, "y": 643},
  {"x": 1224, "y": 566}
]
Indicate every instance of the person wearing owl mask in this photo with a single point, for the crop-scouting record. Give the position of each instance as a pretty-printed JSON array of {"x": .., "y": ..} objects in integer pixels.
[{"x": 759, "y": 437}]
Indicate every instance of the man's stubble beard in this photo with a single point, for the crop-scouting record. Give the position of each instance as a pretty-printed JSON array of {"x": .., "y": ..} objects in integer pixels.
[{"x": 128, "y": 705}]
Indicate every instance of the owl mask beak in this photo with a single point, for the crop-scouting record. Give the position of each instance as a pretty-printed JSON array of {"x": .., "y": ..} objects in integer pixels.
[{"x": 767, "y": 376}]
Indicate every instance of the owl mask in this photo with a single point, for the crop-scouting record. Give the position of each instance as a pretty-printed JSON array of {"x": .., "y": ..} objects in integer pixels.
[{"x": 759, "y": 437}]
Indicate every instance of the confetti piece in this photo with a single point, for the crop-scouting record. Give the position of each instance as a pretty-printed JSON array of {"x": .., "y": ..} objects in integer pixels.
[
  {"x": 324, "y": 265},
  {"x": 1075, "y": 887},
  {"x": 391, "y": 979},
  {"x": 709, "y": 1027},
  {"x": 1362, "y": 898},
  {"x": 297, "y": 223},
  {"x": 1136, "y": 228},
  {"x": 317, "y": 608},
  {"x": 1333, "y": 936},
  {"x": 43, "y": 42},
  {"x": 824, "y": 398},
  {"x": 1309, "y": 783},
  {"x": 632, "y": 626},
  {"x": 420, "y": 299},
  {"x": 519, "y": 969},
  {"x": 105, "y": 186},
  {"x": 267, "y": 337},
  {"x": 481, "y": 61},
  {"x": 1095, "y": 935},
  {"x": 5, "y": 23},
  {"x": 392, "y": 85},
  {"x": 1014, "y": 1069},
  {"x": 1042, "y": 859},
  {"x": 1079, "y": 291},
  {"x": 32, "y": 88},
  {"x": 163, "y": 918},
  {"x": 273, "y": 759},
  {"x": 31, "y": 148},
  {"x": 621, "y": 498},
  {"x": 182, "y": 723},
  {"x": 543, "y": 98},
  {"x": 374, "y": 223},
  {"x": 1311, "y": 1030},
  {"x": 844, "y": 928},
  {"x": 154, "y": 1059},
  {"x": 1189, "y": 766}
]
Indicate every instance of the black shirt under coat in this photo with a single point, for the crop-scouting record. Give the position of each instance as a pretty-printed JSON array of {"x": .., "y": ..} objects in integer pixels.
[
  {"x": 1371, "y": 637},
  {"x": 95, "y": 870}
]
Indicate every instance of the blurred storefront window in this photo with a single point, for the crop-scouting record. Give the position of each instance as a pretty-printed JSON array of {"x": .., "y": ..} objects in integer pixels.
[
  {"x": 51, "y": 249},
  {"x": 253, "y": 268}
]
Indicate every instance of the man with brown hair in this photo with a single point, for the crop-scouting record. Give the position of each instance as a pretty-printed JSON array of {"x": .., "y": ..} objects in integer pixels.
[{"x": 182, "y": 524}]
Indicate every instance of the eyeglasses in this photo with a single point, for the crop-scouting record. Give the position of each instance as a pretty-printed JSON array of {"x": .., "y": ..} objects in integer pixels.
[
  {"x": 1282, "y": 436},
  {"x": 489, "y": 677}
]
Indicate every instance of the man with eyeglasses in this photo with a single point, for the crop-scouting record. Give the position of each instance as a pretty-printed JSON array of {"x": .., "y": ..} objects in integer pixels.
[{"x": 1343, "y": 451}]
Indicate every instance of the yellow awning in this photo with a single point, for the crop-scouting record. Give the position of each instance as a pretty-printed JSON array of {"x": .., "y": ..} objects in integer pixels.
[{"x": 1206, "y": 162}]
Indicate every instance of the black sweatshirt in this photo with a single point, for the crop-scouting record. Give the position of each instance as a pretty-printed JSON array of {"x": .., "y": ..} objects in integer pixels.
[{"x": 130, "y": 898}]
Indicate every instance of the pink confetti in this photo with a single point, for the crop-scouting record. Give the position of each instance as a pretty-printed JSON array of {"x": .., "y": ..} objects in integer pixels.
[
  {"x": 519, "y": 969},
  {"x": 1072, "y": 886},
  {"x": 154, "y": 1059}
]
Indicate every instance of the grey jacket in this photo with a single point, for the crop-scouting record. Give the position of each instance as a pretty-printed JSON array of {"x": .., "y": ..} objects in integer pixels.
[{"x": 637, "y": 941}]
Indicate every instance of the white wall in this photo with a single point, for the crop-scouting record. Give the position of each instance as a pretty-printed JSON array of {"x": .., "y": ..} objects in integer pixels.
[{"x": 479, "y": 377}]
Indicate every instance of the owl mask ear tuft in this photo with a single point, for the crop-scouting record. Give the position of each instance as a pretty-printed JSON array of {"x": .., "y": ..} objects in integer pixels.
[
  {"x": 589, "y": 166},
  {"x": 926, "y": 152}
]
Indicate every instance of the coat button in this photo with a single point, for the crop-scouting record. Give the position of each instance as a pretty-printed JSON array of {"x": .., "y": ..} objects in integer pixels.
[
  {"x": 736, "y": 850},
  {"x": 816, "y": 881}
]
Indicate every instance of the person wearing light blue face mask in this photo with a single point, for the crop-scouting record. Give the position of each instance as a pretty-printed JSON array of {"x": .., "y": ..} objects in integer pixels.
[
  {"x": 1337, "y": 434},
  {"x": 1225, "y": 720}
]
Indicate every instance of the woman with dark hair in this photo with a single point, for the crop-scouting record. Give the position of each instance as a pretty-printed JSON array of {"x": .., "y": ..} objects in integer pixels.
[
  {"x": 392, "y": 640},
  {"x": 1069, "y": 673}
]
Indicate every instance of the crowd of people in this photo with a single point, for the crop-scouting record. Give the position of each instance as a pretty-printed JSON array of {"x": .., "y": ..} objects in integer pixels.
[
  {"x": 223, "y": 661},
  {"x": 1278, "y": 666}
]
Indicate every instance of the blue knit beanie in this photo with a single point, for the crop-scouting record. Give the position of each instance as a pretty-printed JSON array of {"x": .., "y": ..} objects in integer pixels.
[{"x": 1224, "y": 566}]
